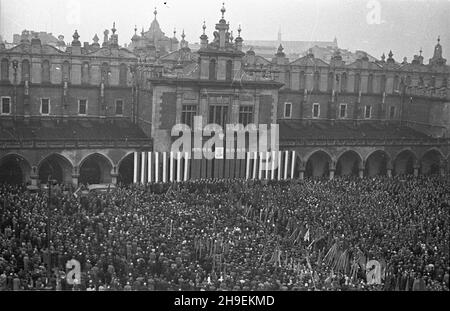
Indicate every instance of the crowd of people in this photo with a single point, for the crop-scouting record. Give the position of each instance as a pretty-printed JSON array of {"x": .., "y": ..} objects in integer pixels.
[{"x": 231, "y": 235}]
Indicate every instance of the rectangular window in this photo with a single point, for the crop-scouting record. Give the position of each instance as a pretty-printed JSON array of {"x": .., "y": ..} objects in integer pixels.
[
  {"x": 245, "y": 115},
  {"x": 82, "y": 107},
  {"x": 316, "y": 110},
  {"x": 6, "y": 105},
  {"x": 218, "y": 110},
  {"x": 368, "y": 112},
  {"x": 45, "y": 106},
  {"x": 187, "y": 115},
  {"x": 392, "y": 112},
  {"x": 287, "y": 110},
  {"x": 119, "y": 107},
  {"x": 218, "y": 114},
  {"x": 343, "y": 111}
]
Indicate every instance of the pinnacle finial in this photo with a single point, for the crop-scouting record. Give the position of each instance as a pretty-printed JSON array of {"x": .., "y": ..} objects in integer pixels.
[
  {"x": 114, "y": 28},
  {"x": 420, "y": 52},
  {"x": 183, "y": 35},
  {"x": 155, "y": 12},
  {"x": 76, "y": 36},
  {"x": 239, "y": 30},
  {"x": 174, "y": 32},
  {"x": 204, "y": 27},
  {"x": 223, "y": 10}
]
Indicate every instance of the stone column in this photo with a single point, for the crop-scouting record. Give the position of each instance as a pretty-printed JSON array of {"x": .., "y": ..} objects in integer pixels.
[
  {"x": 332, "y": 174},
  {"x": 301, "y": 174},
  {"x": 389, "y": 168},
  {"x": 416, "y": 170},
  {"x": 34, "y": 176},
  {"x": 361, "y": 170},
  {"x": 332, "y": 169}
]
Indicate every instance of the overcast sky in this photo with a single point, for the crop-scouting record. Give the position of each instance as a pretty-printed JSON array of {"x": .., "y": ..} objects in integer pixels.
[{"x": 375, "y": 26}]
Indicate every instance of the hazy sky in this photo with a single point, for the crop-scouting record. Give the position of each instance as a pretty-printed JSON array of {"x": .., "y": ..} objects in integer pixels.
[{"x": 375, "y": 26}]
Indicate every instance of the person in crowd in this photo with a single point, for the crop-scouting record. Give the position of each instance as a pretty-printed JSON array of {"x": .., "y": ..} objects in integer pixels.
[{"x": 231, "y": 235}]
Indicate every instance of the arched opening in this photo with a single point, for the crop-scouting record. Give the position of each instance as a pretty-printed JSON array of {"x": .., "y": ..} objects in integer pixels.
[
  {"x": 55, "y": 167},
  {"x": 376, "y": 164},
  {"x": 348, "y": 164},
  {"x": 45, "y": 71},
  {"x": 66, "y": 72},
  {"x": 85, "y": 73},
  {"x": 105, "y": 73},
  {"x": 4, "y": 70},
  {"x": 126, "y": 170},
  {"x": 370, "y": 84},
  {"x": 404, "y": 163},
  {"x": 212, "y": 69},
  {"x": 330, "y": 83},
  {"x": 229, "y": 70},
  {"x": 318, "y": 165},
  {"x": 431, "y": 163},
  {"x": 383, "y": 84},
  {"x": 95, "y": 169},
  {"x": 123, "y": 72},
  {"x": 25, "y": 70},
  {"x": 317, "y": 81},
  {"x": 357, "y": 83},
  {"x": 302, "y": 80},
  {"x": 344, "y": 80},
  {"x": 14, "y": 170}
]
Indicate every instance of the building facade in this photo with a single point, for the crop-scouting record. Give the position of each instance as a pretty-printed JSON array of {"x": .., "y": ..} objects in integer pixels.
[{"x": 79, "y": 113}]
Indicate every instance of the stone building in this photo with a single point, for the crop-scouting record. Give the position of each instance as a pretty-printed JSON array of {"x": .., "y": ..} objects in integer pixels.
[
  {"x": 79, "y": 112},
  {"x": 70, "y": 114}
]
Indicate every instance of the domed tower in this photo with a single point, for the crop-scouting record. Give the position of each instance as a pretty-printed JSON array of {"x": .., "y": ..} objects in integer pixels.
[{"x": 437, "y": 56}]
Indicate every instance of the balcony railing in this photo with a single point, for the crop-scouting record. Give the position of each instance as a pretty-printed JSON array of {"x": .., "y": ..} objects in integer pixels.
[
  {"x": 74, "y": 143},
  {"x": 365, "y": 142}
]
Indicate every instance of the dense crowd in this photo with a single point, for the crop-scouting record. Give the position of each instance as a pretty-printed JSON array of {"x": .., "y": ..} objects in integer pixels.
[{"x": 230, "y": 235}]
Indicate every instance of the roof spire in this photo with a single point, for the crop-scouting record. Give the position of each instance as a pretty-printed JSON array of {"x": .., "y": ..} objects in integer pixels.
[
  {"x": 155, "y": 12},
  {"x": 439, "y": 39},
  {"x": 204, "y": 27},
  {"x": 420, "y": 52},
  {"x": 135, "y": 29},
  {"x": 174, "y": 32},
  {"x": 223, "y": 10},
  {"x": 239, "y": 30},
  {"x": 114, "y": 28},
  {"x": 183, "y": 35}
]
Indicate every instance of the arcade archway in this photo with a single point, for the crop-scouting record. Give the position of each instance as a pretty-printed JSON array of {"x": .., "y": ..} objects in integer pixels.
[
  {"x": 318, "y": 165},
  {"x": 55, "y": 167},
  {"x": 126, "y": 170},
  {"x": 14, "y": 170},
  {"x": 376, "y": 164},
  {"x": 95, "y": 169},
  {"x": 348, "y": 164},
  {"x": 404, "y": 163},
  {"x": 431, "y": 163}
]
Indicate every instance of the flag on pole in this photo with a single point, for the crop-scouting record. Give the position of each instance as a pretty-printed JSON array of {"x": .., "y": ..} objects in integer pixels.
[{"x": 307, "y": 236}]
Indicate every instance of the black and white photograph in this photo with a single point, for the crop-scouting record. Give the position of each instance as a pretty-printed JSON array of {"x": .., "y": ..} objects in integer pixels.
[{"x": 224, "y": 152}]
